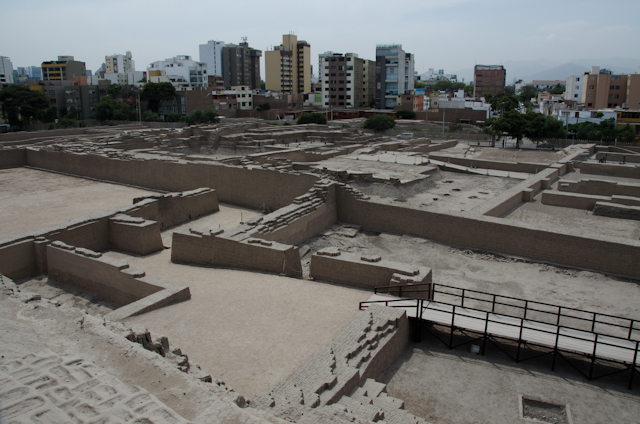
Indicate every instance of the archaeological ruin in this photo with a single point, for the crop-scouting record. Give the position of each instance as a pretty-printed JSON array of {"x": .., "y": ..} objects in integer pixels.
[{"x": 257, "y": 273}]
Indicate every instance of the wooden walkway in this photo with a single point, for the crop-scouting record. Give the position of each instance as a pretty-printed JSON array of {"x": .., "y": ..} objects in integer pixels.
[{"x": 591, "y": 344}]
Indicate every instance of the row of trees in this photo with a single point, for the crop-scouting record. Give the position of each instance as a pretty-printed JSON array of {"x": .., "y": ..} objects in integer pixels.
[
  {"x": 21, "y": 106},
  {"x": 534, "y": 126},
  {"x": 606, "y": 130}
]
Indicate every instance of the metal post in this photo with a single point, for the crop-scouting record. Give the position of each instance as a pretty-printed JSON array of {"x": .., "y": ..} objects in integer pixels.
[
  {"x": 559, "y": 313},
  {"x": 520, "y": 338},
  {"x": 453, "y": 314},
  {"x": 633, "y": 367},
  {"x": 593, "y": 357},
  {"x": 463, "y": 298},
  {"x": 486, "y": 325},
  {"x": 493, "y": 305},
  {"x": 593, "y": 323},
  {"x": 630, "y": 329},
  {"x": 555, "y": 349}
]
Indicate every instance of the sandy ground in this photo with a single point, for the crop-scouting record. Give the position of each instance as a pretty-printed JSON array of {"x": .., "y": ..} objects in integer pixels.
[
  {"x": 383, "y": 165},
  {"x": 34, "y": 200},
  {"x": 442, "y": 191},
  {"x": 457, "y": 387},
  {"x": 248, "y": 329},
  {"x": 556, "y": 217},
  {"x": 495, "y": 274},
  {"x": 507, "y": 155}
]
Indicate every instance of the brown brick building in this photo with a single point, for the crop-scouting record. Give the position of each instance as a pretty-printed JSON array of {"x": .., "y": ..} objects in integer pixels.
[{"x": 488, "y": 79}]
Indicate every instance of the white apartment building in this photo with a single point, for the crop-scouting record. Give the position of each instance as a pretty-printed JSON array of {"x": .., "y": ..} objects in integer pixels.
[
  {"x": 119, "y": 63},
  {"x": 573, "y": 89},
  {"x": 6, "y": 71},
  {"x": 570, "y": 117},
  {"x": 211, "y": 54},
  {"x": 183, "y": 72},
  {"x": 432, "y": 76},
  {"x": 396, "y": 75},
  {"x": 125, "y": 78}
]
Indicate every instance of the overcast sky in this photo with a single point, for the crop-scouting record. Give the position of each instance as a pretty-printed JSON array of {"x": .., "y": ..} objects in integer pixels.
[{"x": 442, "y": 34}]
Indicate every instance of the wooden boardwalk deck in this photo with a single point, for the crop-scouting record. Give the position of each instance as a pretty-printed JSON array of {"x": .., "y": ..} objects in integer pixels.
[{"x": 562, "y": 338}]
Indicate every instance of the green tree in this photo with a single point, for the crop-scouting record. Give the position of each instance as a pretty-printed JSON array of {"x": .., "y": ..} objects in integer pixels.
[
  {"x": 48, "y": 115},
  {"x": 312, "y": 118},
  {"x": 405, "y": 114},
  {"x": 174, "y": 117},
  {"x": 20, "y": 105},
  {"x": 558, "y": 89},
  {"x": 110, "y": 109},
  {"x": 419, "y": 84},
  {"x": 513, "y": 124},
  {"x": 202, "y": 116},
  {"x": 627, "y": 134},
  {"x": 379, "y": 123},
  {"x": 263, "y": 106},
  {"x": 67, "y": 122},
  {"x": 155, "y": 93},
  {"x": 468, "y": 88},
  {"x": 151, "y": 117}
]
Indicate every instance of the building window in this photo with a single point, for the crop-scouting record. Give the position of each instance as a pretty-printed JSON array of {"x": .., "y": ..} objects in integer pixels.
[{"x": 591, "y": 87}]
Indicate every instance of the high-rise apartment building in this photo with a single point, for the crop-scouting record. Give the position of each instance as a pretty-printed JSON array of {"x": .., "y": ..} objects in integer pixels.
[
  {"x": 346, "y": 81},
  {"x": 288, "y": 66},
  {"x": 119, "y": 63},
  {"x": 6, "y": 71},
  {"x": 488, "y": 79},
  {"x": 394, "y": 74},
  {"x": 63, "y": 69},
  {"x": 211, "y": 54},
  {"x": 573, "y": 89},
  {"x": 241, "y": 65},
  {"x": 602, "y": 89}
]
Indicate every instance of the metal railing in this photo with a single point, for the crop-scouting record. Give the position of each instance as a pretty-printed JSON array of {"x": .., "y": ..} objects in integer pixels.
[{"x": 600, "y": 330}]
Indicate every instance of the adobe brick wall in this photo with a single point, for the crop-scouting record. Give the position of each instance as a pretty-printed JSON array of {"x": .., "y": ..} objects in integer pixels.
[
  {"x": 591, "y": 251},
  {"x": 12, "y": 158},
  {"x": 627, "y": 171},
  {"x": 365, "y": 348},
  {"x": 350, "y": 269},
  {"x": 236, "y": 185},
  {"x": 571, "y": 200},
  {"x": 110, "y": 278},
  {"x": 224, "y": 249},
  {"x": 135, "y": 235},
  {"x": 600, "y": 188},
  {"x": 527, "y": 167}
]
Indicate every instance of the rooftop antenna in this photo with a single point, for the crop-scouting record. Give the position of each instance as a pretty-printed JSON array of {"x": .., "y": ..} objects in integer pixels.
[{"x": 244, "y": 39}]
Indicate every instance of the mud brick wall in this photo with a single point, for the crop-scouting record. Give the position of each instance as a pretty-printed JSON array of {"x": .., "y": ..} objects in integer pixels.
[
  {"x": 17, "y": 259},
  {"x": 626, "y": 157},
  {"x": 601, "y": 188},
  {"x": 365, "y": 348},
  {"x": 351, "y": 270},
  {"x": 204, "y": 247},
  {"x": 527, "y": 167},
  {"x": 12, "y": 158},
  {"x": 175, "y": 208},
  {"x": 110, "y": 278},
  {"x": 306, "y": 226},
  {"x": 236, "y": 185},
  {"x": 135, "y": 235},
  {"x": 591, "y": 251},
  {"x": 570, "y": 200},
  {"x": 627, "y": 171}
]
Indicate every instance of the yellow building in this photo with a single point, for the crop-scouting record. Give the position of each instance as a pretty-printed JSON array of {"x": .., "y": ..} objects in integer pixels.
[
  {"x": 288, "y": 66},
  {"x": 631, "y": 117}
]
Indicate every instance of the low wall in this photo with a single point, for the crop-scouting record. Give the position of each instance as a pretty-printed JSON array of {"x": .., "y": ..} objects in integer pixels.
[
  {"x": 515, "y": 196},
  {"x": 605, "y": 254},
  {"x": 612, "y": 170},
  {"x": 526, "y": 167},
  {"x": 432, "y": 147},
  {"x": 362, "y": 271},
  {"x": 570, "y": 200},
  {"x": 12, "y": 158},
  {"x": 297, "y": 229},
  {"x": 26, "y": 254},
  {"x": 618, "y": 157},
  {"x": 254, "y": 188},
  {"x": 217, "y": 248},
  {"x": 175, "y": 208},
  {"x": 600, "y": 188},
  {"x": 135, "y": 235},
  {"x": 110, "y": 278},
  {"x": 614, "y": 210}
]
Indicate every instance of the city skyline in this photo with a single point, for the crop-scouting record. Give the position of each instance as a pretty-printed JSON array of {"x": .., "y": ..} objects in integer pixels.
[{"x": 452, "y": 36}]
